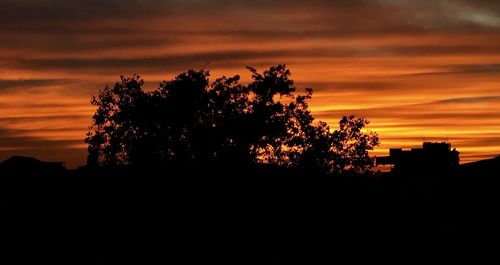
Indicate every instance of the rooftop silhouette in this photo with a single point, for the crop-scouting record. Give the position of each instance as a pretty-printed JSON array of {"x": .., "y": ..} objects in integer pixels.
[
  {"x": 432, "y": 157},
  {"x": 22, "y": 165}
]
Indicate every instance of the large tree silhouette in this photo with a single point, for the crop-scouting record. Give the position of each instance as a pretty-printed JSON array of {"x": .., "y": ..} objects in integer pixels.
[{"x": 190, "y": 121}]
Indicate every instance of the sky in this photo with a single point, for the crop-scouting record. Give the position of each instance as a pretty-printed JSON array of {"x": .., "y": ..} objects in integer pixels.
[{"x": 426, "y": 70}]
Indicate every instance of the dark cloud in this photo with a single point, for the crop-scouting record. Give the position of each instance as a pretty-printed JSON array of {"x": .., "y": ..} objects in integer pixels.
[
  {"x": 471, "y": 157},
  {"x": 167, "y": 63},
  {"x": 181, "y": 62},
  {"x": 16, "y": 138},
  {"x": 351, "y": 86},
  {"x": 484, "y": 141},
  {"x": 440, "y": 125},
  {"x": 470, "y": 99},
  {"x": 101, "y": 25},
  {"x": 12, "y": 139},
  {"x": 6, "y": 84},
  {"x": 463, "y": 69},
  {"x": 475, "y": 69},
  {"x": 401, "y": 115},
  {"x": 138, "y": 8},
  {"x": 42, "y": 105},
  {"x": 443, "y": 49},
  {"x": 83, "y": 43},
  {"x": 406, "y": 113},
  {"x": 43, "y": 10},
  {"x": 47, "y": 118},
  {"x": 53, "y": 15}
]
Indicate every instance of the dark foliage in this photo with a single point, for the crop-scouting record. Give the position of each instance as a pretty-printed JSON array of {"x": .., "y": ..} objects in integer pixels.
[{"x": 190, "y": 121}]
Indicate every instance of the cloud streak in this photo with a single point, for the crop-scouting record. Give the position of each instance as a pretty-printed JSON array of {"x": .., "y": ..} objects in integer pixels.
[{"x": 6, "y": 84}]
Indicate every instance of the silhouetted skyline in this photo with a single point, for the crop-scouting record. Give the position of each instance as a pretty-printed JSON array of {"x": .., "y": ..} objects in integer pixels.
[{"x": 418, "y": 70}]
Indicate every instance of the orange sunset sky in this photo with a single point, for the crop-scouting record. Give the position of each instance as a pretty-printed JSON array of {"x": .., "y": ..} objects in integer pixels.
[{"x": 418, "y": 70}]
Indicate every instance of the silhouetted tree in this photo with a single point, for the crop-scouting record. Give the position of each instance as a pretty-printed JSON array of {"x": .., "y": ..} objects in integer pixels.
[
  {"x": 190, "y": 121},
  {"x": 117, "y": 122},
  {"x": 227, "y": 127},
  {"x": 181, "y": 105},
  {"x": 274, "y": 123},
  {"x": 351, "y": 145}
]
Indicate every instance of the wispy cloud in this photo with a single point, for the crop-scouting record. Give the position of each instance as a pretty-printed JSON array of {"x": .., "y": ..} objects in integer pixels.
[
  {"x": 470, "y": 99},
  {"x": 30, "y": 83}
]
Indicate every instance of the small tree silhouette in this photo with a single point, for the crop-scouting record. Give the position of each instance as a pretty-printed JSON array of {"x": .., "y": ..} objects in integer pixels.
[
  {"x": 351, "y": 145},
  {"x": 117, "y": 122},
  {"x": 190, "y": 121}
]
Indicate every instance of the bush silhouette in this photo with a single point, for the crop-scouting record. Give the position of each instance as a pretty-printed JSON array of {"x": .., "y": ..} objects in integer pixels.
[{"x": 190, "y": 121}]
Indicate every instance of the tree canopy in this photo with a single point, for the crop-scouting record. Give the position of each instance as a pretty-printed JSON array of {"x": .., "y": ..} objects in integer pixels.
[{"x": 191, "y": 121}]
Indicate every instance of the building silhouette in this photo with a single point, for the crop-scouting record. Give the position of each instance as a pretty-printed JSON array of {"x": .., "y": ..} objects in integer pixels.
[
  {"x": 22, "y": 165},
  {"x": 431, "y": 158}
]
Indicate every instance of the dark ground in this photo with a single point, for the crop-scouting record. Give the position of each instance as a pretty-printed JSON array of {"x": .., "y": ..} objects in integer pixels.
[{"x": 249, "y": 218}]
